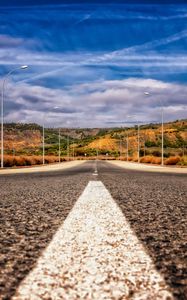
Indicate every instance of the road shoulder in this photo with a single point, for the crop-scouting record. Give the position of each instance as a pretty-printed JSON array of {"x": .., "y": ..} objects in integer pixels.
[
  {"x": 148, "y": 168},
  {"x": 45, "y": 168}
]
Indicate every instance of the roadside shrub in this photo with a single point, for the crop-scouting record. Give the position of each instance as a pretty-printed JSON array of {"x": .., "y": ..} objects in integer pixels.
[
  {"x": 183, "y": 161},
  {"x": 8, "y": 161},
  {"x": 62, "y": 159},
  {"x": 141, "y": 152},
  {"x": 11, "y": 161},
  {"x": 156, "y": 153},
  {"x": 156, "y": 160},
  {"x": 146, "y": 159},
  {"x": 51, "y": 159},
  {"x": 29, "y": 160},
  {"x": 37, "y": 159},
  {"x": 123, "y": 158},
  {"x": 19, "y": 161},
  {"x": 130, "y": 158},
  {"x": 150, "y": 159},
  {"x": 135, "y": 158},
  {"x": 172, "y": 160},
  {"x": 150, "y": 144}
]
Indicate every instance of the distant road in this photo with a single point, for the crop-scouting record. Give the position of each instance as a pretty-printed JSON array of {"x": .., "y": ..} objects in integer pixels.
[{"x": 33, "y": 207}]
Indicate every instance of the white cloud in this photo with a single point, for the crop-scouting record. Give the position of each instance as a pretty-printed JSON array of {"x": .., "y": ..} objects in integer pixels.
[
  {"x": 8, "y": 41},
  {"x": 95, "y": 104}
]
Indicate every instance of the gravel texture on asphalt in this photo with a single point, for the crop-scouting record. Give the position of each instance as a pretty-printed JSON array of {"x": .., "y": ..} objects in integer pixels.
[
  {"x": 155, "y": 206},
  {"x": 32, "y": 207},
  {"x": 94, "y": 255}
]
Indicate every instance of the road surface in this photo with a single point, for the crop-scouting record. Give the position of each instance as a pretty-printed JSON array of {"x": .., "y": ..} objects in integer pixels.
[{"x": 150, "y": 209}]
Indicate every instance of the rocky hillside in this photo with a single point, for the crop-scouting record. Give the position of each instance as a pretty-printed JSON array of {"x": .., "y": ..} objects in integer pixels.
[{"x": 27, "y": 139}]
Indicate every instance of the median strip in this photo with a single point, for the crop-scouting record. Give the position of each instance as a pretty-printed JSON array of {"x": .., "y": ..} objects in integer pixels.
[{"x": 94, "y": 255}]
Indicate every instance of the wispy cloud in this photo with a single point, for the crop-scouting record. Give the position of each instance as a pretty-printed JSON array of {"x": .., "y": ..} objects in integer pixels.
[
  {"x": 9, "y": 42},
  {"x": 86, "y": 17},
  {"x": 144, "y": 47}
]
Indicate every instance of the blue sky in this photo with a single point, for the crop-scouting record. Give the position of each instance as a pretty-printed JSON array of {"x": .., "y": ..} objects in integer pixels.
[{"x": 94, "y": 61}]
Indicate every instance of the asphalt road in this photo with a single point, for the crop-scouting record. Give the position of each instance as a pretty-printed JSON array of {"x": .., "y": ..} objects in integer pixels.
[{"x": 33, "y": 206}]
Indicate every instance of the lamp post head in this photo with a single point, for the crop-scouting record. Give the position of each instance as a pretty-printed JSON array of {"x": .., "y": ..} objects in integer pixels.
[{"x": 24, "y": 67}]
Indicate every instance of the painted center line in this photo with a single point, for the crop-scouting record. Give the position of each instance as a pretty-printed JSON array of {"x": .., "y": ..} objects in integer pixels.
[
  {"x": 94, "y": 255},
  {"x": 95, "y": 173}
]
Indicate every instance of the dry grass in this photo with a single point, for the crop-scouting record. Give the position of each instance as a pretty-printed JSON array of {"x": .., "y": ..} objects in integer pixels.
[
  {"x": 183, "y": 161},
  {"x": 11, "y": 161},
  {"x": 156, "y": 160},
  {"x": 150, "y": 159},
  {"x": 106, "y": 143},
  {"x": 130, "y": 158},
  {"x": 173, "y": 160}
]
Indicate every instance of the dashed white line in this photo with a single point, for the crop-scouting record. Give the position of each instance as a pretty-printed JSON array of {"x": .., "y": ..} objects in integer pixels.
[
  {"x": 94, "y": 255},
  {"x": 95, "y": 171}
]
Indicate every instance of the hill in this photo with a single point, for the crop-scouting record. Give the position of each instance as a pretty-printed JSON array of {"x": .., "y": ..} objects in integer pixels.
[{"x": 26, "y": 139}]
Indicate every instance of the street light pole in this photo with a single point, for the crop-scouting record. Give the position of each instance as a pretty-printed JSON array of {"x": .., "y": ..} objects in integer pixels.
[
  {"x": 162, "y": 117},
  {"x": 120, "y": 149},
  {"x": 131, "y": 116},
  {"x": 59, "y": 145},
  {"x": 43, "y": 145},
  {"x": 127, "y": 146},
  {"x": 162, "y": 136},
  {"x": 2, "y": 112},
  {"x": 2, "y": 124},
  {"x": 68, "y": 147},
  {"x": 73, "y": 150},
  {"x": 43, "y": 138},
  {"x": 138, "y": 142}
]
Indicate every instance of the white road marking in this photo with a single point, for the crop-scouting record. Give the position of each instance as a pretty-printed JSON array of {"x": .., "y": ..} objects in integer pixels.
[
  {"x": 95, "y": 171},
  {"x": 94, "y": 255}
]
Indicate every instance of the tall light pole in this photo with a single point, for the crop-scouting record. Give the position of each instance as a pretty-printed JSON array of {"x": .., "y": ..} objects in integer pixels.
[
  {"x": 162, "y": 119},
  {"x": 73, "y": 146},
  {"x": 59, "y": 145},
  {"x": 43, "y": 144},
  {"x": 120, "y": 149},
  {"x": 2, "y": 111},
  {"x": 138, "y": 142},
  {"x": 68, "y": 147},
  {"x": 132, "y": 116},
  {"x": 162, "y": 136},
  {"x": 127, "y": 146},
  {"x": 43, "y": 139}
]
